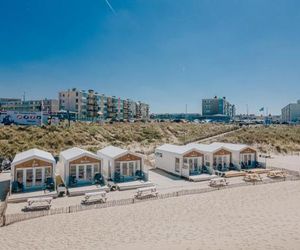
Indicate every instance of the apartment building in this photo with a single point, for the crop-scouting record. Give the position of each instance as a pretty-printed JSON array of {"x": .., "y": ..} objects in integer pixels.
[
  {"x": 14, "y": 104},
  {"x": 74, "y": 100},
  {"x": 217, "y": 106},
  {"x": 91, "y": 104},
  {"x": 142, "y": 111},
  {"x": 291, "y": 112}
]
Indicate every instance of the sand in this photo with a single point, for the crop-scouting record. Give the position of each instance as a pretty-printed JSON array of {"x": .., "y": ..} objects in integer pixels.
[{"x": 253, "y": 217}]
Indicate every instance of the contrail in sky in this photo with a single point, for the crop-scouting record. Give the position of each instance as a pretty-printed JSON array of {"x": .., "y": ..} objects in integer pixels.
[{"x": 111, "y": 8}]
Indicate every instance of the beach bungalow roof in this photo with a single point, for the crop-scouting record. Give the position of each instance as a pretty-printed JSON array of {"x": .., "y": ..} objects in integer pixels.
[
  {"x": 177, "y": 149},
  {"x": 115, "y": 152},
  {"x": 75, "y": 153},
  {"x": 231, "y": 146},
  {"x": 215, "y": 146},
  {"x": 33, "y": 154},
  {"x": 209, "y": 148}
]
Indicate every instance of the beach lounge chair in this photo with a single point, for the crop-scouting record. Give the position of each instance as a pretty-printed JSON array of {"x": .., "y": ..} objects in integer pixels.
[
  {"x": 277, "y": 174},
  {"x": 218, "y": 182},
  {"x": 17, "y": 187},
  {"x": 49, "y": 184},
  {"x": 146, "y": 192},
  {"x": 254, "y": 177},
  {"x": 95, "y": 197},
  {"x": 98, "y": 179},
  {"x": 39, "y": 203},
  {"x": 72, "y": 180}
]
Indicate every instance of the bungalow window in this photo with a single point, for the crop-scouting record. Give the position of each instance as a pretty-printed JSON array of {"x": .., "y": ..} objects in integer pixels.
[
  {"x": 38, "y": 176},
  {"x": 118, "y": 167},
  {"x": 177, "y": 165},
  {"x": 89, "y": 172},
  {"x": 207, "y": 164},
  {"x": 131, "y": 168},
  {"x": 80, "y": 172},
  {"x": 125, "y": 169},
  {"x": 47, "y": 173},
  {"x": 185, "y": 160},
  {"x": 20, "y": 176},
  {"x": 96, "y": 168},
  {"x": 29, "y": 177},
  {"x": 73, "y": 171}
]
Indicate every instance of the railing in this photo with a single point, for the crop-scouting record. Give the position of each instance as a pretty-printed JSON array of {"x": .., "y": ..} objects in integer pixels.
[{"x": 13, "y": 218}]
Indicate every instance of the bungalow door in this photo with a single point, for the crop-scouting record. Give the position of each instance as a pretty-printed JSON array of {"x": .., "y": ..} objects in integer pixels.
[{"x": 29, "y": 177}]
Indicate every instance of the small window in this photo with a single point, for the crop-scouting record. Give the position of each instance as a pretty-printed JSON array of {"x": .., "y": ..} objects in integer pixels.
[
  {"x": 158, "y": 154},
  {"x": 177, "y": 165}
]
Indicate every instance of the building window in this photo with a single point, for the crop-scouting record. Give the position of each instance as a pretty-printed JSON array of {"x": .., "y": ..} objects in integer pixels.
[
  {"x": 177, "y": 165},
  {"x": 158, "y": 154}
]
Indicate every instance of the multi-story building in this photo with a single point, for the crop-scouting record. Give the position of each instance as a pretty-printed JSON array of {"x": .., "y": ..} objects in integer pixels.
[
  {"x": 74, "y": 100},
  {"x": 91, "y": 104},
  {"x": 142, "y": 111},
  {"x": 217, "y": 106},
  {"x": 291, "y": 112},
  {"x": 14, "y": 104}
]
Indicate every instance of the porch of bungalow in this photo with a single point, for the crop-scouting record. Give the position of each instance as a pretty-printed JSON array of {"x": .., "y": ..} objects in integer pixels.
[
  {"x": 129, "y": 168},
  {"x": 194, "y": 163}
]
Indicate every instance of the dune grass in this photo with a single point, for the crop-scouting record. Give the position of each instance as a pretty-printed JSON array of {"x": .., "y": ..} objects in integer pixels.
[
  {"x": 91, "y": 136},
  {"x": 276, "y": 138}
]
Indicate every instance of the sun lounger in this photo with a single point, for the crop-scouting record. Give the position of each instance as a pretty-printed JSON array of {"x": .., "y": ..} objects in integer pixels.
[
  {"x": 218, "y": 182},
  {"x": 146, "y": 192},
  {"x": 254, "y": 177},
  {"x": 94, "y": 197},
  {"x": 39, "y": 203},
  {"x": 277, "y": 174}
]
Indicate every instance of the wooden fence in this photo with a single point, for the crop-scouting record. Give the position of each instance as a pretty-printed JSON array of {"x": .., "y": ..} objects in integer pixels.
[{"x": 12, "y": 218}]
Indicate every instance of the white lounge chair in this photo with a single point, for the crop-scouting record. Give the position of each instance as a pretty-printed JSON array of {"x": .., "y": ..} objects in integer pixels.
[
  {"x": 146, "y": 192},
  {"x": 218, "y": 182},
  {"x": 94, "y": 197},
  {"x": 252, "y": 177},
  {"x": 39, "y": 203}
]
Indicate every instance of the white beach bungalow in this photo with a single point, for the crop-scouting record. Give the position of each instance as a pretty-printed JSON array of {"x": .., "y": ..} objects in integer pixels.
[
  {"x": 185, "y": 161},
  {"x": 33, "y": 170},
  {"x": 228, "y": 156},
  {"x": 195, "y": 159},
  {"x": 80, "y": 167},
  {"x": 242, "y": 156},
  {"x": 121, "y": 165}
]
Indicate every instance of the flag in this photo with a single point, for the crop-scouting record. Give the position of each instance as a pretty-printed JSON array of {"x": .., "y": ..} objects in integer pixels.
[{"x": 262, "y": 109}]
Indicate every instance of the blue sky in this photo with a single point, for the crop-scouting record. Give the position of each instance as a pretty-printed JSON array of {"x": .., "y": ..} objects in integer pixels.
[{"x": 166, "y": 52}]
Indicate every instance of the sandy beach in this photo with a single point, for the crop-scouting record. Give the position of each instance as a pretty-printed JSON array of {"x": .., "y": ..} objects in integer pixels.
[{"x": 254, "y": 217}]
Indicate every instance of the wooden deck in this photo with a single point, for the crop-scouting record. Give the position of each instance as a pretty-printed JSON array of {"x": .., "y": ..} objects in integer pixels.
[
  {"x": 133, "y": 185},
  {"x": 201, "y": 177},
  {"x": 21, "y": 197},
  {"x": 76, "y": 191}
]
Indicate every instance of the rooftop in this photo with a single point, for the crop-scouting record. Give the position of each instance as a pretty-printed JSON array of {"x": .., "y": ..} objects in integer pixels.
[
  {"x": 32, "y": 153},
  {"x": 75, "y": 152},
  {"x": 112, "y": 151}
]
